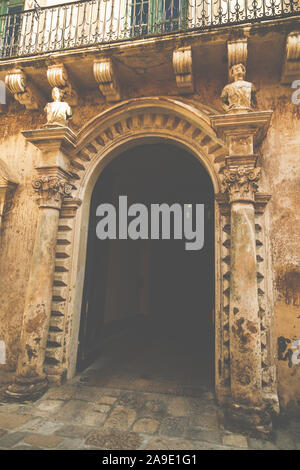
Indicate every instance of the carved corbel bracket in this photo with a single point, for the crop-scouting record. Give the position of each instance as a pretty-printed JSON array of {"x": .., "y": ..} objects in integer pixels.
[
  {"x": 7, "y": 188},
  {"x": 183, "y": 69},
  {"x": 105, "y": 75},
  {"x": 23, "y": 90},
  {"x": 237, "y": 52},
  {"x": 291, "y": 65},
  {"x": 57, "y": 76}
]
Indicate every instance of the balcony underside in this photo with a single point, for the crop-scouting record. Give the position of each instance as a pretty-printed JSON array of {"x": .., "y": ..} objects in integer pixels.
[
  {"x": 144, "y": 66},
  {"x": 94, "y": 22}
]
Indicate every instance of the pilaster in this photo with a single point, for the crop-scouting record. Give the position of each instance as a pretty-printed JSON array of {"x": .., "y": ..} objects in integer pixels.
[
  {"x": 243, "y": 133},
  {"x": 51, "y": 184}
]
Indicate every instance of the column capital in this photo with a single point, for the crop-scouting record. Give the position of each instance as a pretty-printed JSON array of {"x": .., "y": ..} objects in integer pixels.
[
  {"x": 241, "y": 183},
  {"x": 52, "y": 186}
]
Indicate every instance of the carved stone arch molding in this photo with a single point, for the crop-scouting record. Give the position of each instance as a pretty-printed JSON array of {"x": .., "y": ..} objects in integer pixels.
[
  {"x": 104, "y": 137},
  {"x": 162, "y": 119}
]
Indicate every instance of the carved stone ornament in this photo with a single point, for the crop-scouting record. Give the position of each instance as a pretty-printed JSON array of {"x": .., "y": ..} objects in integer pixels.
[
  {"x": 51, "y": 190},
  {"x": 57, "y": 76},
  {"x": 58, "y": 112},
  {"x": 24, "y": 92},
  {"x": 105, "y": 75},
  {"x": 182, "y": 66},
  {"x": 237, "y": 53},
  {"x": 241, "y": 183},
  {"x": 291, "y": 65},
  {"x": 240, "y": 95}
]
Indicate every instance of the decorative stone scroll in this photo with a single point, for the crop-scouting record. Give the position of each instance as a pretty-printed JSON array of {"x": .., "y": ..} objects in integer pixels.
[
  {"x": 237, "y": 53},
  {"x": 51, "y": 190},
  {"x": 105, "y": 75},
  {"x": 182, "y": 66},
  {"x": 57, "y": 76},
  {"x": 291, "y": 65},
  {"x": 24, "y": 91}
]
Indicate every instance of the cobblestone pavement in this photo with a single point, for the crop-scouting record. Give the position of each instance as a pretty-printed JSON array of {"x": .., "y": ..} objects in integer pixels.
[{"x": 79, "y": 416}]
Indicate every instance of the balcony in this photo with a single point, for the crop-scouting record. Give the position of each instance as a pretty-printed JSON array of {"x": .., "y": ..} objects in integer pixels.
[{"x": 94, "y": 22}]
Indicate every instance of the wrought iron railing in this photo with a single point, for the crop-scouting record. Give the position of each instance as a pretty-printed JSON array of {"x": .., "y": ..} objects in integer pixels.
[{"x": 92, "y": 22}]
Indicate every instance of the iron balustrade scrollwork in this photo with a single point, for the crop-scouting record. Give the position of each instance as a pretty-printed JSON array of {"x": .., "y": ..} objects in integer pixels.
[{"x": 92, "y": 22}]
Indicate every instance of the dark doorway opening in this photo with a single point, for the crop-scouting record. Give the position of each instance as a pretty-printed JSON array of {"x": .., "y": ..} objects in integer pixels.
[{"x": 148, "y": 305}]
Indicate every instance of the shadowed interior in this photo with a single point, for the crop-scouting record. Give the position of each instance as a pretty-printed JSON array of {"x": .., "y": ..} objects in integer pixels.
[{"x": 147, "y": 312}]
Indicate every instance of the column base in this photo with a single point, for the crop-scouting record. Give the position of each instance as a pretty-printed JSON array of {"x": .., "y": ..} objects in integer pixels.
[
  {"x": 27, "y": 388},
  {"x": 255, "y": 421}
]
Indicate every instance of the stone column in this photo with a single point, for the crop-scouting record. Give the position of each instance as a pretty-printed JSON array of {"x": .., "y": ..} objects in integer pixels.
[
  {"x": 52, "y": 185},
  {"x": 243, "y": 132},
  {"x": 244, "y": 322}
]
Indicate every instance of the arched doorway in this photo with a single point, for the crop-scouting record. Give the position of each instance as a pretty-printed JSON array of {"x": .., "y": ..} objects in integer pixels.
[{"x": 148, "y": 305}]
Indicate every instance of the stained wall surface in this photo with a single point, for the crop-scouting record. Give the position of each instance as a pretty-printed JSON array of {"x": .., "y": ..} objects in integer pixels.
[{"x": 281, "y": 178}]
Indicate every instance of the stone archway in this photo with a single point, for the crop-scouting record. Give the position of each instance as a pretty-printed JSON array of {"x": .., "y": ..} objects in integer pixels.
[
  {"x": 155, "y": 121},
  {"x": 155, "y": 295},
  {"x": 244, "y": 355}
]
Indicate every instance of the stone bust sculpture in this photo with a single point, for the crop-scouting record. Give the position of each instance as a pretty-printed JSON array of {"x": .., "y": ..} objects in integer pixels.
[
  {"x": 239, "y": 96},
  {"x": 58, "y": 112}
]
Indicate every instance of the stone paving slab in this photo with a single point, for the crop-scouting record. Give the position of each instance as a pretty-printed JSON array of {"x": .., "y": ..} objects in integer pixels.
[
  {"x": 78, "y": 416},
  {"x": 163, "y": 443},
  {"x": 72, "y": 444},
  {"x": 41, "y": 426},
  {"x": 43, "y": 441},
  {"x": 74, "y": 431},
  {"x": 112, "y": 439},
  {"x": 205, "y": 435},
  {"x": 2, "y": 432},
  {"x": 174, "y": 426},
  {"x": 121, "y": 418},
  {"x": 11, "y": 439},
  {"x": 235, "y": 440},
  {"x": 12, "y": 421},
  {"x": 146, "y": 425}
]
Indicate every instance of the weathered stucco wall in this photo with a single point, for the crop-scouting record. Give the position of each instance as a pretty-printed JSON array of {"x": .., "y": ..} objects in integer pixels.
[
  {"x": 18, "y": 229},
  {"x": 281, "y": 164},
  {"x": 281, "y": 178}
]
